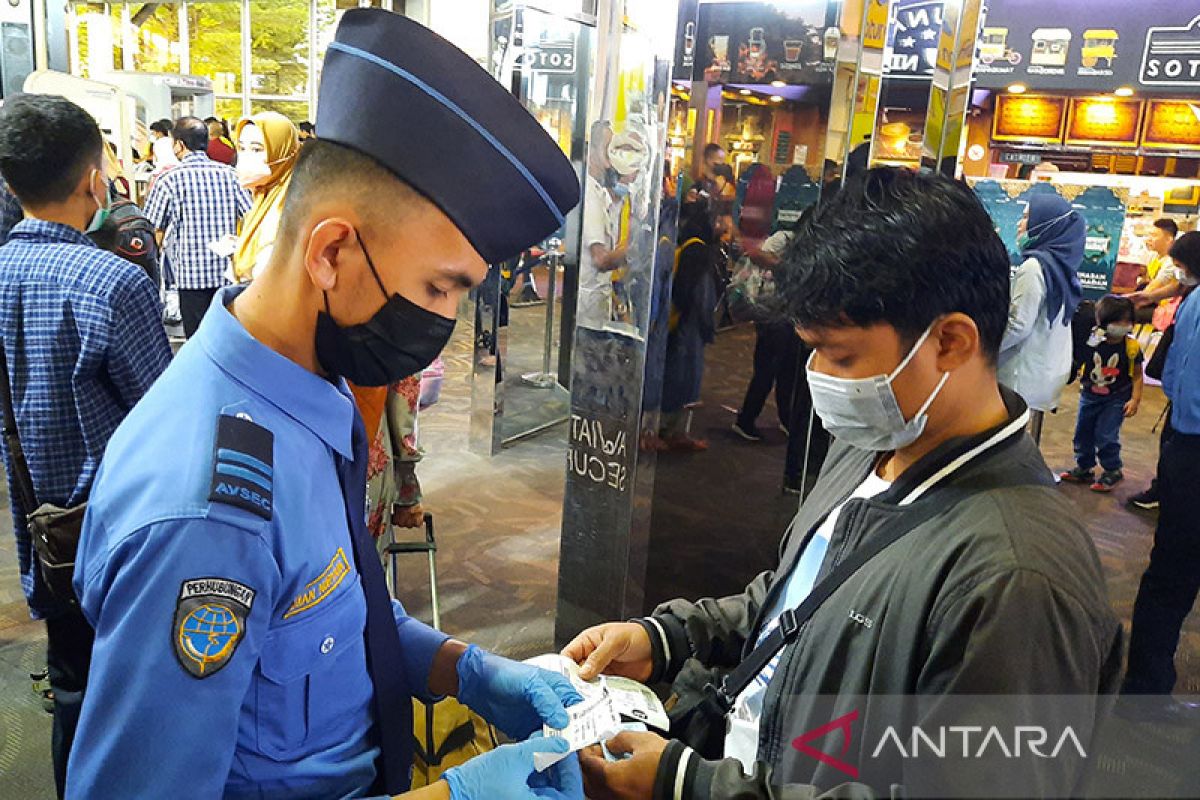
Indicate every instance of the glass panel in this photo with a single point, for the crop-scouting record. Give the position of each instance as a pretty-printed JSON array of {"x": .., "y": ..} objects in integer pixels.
[
  {"x": 216, "y": 48},
  {"x": 229, "y": 109},
  {"x": 553, "y": 80},
  {"x": 526, "y": 305},
  {"x": 157, "y": 38},
  {"x": 279, "y": 47},
  {"x": 295, "y": 110}
]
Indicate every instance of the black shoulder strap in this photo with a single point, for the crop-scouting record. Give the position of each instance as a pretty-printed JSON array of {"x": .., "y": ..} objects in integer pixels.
[
  {"x": 16, "y": 455},
  {"x": 790, "y": 621}
]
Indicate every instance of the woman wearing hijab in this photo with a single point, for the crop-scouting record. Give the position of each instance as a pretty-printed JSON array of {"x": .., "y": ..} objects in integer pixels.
[
  {"x": 1035, "y": 355},
  {"x": 268, "y": 144}
]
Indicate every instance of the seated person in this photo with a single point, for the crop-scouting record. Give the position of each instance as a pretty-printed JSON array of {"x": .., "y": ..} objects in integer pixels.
[{"x": 900, "y": 286}]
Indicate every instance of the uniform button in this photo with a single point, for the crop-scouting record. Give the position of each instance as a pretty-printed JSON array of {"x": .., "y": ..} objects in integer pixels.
[{"x": 327, "y": 644}]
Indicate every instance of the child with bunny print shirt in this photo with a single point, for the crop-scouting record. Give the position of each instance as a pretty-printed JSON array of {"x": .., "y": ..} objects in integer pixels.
[{"x": 1110, "y": 391}]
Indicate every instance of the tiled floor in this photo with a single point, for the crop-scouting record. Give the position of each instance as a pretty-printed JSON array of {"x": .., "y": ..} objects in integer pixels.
[{"x": 498, "y": 525}]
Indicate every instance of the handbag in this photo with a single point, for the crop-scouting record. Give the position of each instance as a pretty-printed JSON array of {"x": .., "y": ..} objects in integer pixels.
[
  {"x": 698, "y": 715},
  {"x": 1158, "y": 359},
  {"x": 54, "y": 530}
]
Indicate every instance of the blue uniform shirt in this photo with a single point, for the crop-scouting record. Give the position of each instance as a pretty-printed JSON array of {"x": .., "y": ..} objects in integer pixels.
[
  {"x": 1181, "y": 378},
  {"x": 217, "y": 568}
]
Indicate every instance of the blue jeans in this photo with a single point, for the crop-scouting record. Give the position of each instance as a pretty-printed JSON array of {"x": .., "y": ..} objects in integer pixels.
[{"x": 1098, "y": 430}]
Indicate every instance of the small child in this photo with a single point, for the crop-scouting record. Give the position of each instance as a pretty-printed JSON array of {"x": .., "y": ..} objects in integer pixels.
[{"x": 1110, "y": 390}]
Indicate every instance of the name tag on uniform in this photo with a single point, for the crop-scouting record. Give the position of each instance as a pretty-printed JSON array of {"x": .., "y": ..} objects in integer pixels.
[{"x": 322, "y": 586}]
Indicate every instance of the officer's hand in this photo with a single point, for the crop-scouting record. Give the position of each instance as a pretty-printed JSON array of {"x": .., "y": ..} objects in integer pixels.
[
  {"x": 615, "y": 648},
  {"x": 507, "y": 773},
  {"x": 516, "y": 698}
]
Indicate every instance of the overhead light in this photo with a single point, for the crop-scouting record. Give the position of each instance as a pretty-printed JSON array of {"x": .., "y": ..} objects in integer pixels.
[
  {"x": 744, "y": 91},
  {"x": 1124, "y": 91},
  {"x": 1017, "y": 88},
  {"x": 776, "y": 98},
  {"x": 778, "y": 84}
]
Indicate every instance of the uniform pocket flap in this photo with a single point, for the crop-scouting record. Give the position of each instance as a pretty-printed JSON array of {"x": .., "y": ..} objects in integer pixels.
[{"x": 315, "y": 639}]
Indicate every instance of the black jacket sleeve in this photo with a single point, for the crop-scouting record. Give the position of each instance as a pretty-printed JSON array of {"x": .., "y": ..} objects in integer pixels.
[{"x": 713, "y": 631}]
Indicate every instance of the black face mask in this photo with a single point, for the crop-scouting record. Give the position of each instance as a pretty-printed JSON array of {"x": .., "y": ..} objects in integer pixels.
[{"x": 401, "y": 339}]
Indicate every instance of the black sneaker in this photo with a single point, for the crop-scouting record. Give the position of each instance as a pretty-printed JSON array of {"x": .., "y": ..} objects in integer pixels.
[
  {"x": 1107, "y": 480},
  {"x": 1077, "y": 475},
  {"x": 1147, "y": 500},
  {"x": 748, "y": 432}
]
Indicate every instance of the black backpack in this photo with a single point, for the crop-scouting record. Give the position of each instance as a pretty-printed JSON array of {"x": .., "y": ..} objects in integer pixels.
[
  {"x": 1083, "y": 322},
  {"x": 130, "y": 235}
]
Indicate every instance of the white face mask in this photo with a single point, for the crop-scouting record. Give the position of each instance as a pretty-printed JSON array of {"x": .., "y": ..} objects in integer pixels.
[
  {"x": 1118, "y": 331},
  {"x": 1187, "y": 278},
  {"x": 252, "y": 168},
  {"x": 864, "y": 412}
]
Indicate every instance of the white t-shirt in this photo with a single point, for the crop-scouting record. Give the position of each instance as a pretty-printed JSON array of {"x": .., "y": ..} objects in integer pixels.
[
  {"x": 741, "y": 737},
  {"x": 602, "y": 226},
  {"x": 777, "y": 243}
]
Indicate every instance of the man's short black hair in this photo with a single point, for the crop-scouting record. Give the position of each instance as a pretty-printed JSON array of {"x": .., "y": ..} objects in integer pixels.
[
  {"x": 898, "y": 247},
  {"x": 47, "y": 143},
  {"x": 1167, "y": 224},
  {"x": 162, "y": 126},
  {"x": 307, "y": 127},
  {"x": 324, "y": 168},
  {"x": 192, "y": 132},
  {"x": 712, "y": 148},
  {"x": 1113, "y": 308},
  {"x": 1186, "y": 252}
]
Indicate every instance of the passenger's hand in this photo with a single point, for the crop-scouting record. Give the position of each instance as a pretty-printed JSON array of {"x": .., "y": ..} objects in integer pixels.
[
  {"x": 516, "y": 698},
  {"x": 1138, "y": 299},
  {"x": 408, "y": 516},
  {"x": 615, "y": 648},
  {"x": 507, "y": 773},
  {"x": 1131, "y": 408},
  {"x": 629, "y": 779}
]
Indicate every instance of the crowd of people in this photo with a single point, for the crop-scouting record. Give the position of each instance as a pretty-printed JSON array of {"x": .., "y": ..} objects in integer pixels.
[{"x": 224, "y": 624}]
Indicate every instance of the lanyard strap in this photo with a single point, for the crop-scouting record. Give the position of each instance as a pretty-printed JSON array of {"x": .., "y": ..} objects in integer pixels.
[{"x": 791, "y": 620}]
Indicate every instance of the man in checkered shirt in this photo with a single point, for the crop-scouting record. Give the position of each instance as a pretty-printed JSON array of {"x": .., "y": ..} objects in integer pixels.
[
  {"x": 10, "y": 211},
  {"x": 196, "y": 207},
  {"x": 83, "y": 340}
]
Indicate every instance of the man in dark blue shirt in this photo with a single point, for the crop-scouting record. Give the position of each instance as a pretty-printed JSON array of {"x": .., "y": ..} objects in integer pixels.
[
  {"x": 1172, "y": 580},
  {"x": 83, "y": 342}
]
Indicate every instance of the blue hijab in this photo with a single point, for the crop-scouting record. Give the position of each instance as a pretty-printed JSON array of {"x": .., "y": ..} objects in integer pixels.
[{"x": 1056, "y": 238}]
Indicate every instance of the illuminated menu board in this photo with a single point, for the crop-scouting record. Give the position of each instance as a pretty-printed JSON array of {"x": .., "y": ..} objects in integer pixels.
[
  {"x": 1172, "y": 125},
  {"x": 1104, "y": 120},
  {"x": 1029, "y": 118}
]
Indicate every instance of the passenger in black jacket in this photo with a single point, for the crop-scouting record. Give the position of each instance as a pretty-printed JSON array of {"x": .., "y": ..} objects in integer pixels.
[{"x": 973, "y": 656}]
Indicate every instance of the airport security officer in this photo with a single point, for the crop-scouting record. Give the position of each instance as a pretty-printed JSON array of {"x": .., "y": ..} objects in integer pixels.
[{"x": 245, "y": 642}]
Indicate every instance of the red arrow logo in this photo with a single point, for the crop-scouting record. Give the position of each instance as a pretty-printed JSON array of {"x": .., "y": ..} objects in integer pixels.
[{"x": 843, "y": 724}]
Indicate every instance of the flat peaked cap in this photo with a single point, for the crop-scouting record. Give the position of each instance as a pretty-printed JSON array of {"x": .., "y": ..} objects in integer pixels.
[{"x": 396, "y": 91}]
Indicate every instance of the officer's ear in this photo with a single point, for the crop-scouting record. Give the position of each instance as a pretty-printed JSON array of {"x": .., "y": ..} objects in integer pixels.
[{"x": 330, "y": 243}]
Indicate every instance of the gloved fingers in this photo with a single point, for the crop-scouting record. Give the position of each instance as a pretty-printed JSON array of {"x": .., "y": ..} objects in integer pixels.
[
  {"x": 562, "y": 687},
  {"x": 548, "y": 704},
  {"x": 541, "y": 744}
]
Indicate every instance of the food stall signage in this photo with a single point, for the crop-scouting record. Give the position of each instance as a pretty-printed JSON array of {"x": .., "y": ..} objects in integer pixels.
[
  {"x": 912, "y": 46},
  {"x": 1104, "y": 120},
  {"x": 1029, "y": 118},
  {"x": 1172, "y": 125},
  {"x": 1172, "y": 56},
  {"x": 1014, "y": 157}
]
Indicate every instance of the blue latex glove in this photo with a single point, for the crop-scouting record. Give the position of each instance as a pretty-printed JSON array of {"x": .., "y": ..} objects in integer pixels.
[
  {"x": 507, "y": 773},
  {"x": 516, "y": 698}
]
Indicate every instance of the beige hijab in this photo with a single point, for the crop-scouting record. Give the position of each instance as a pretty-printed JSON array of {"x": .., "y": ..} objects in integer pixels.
[{"x": 261, "y": 225}]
